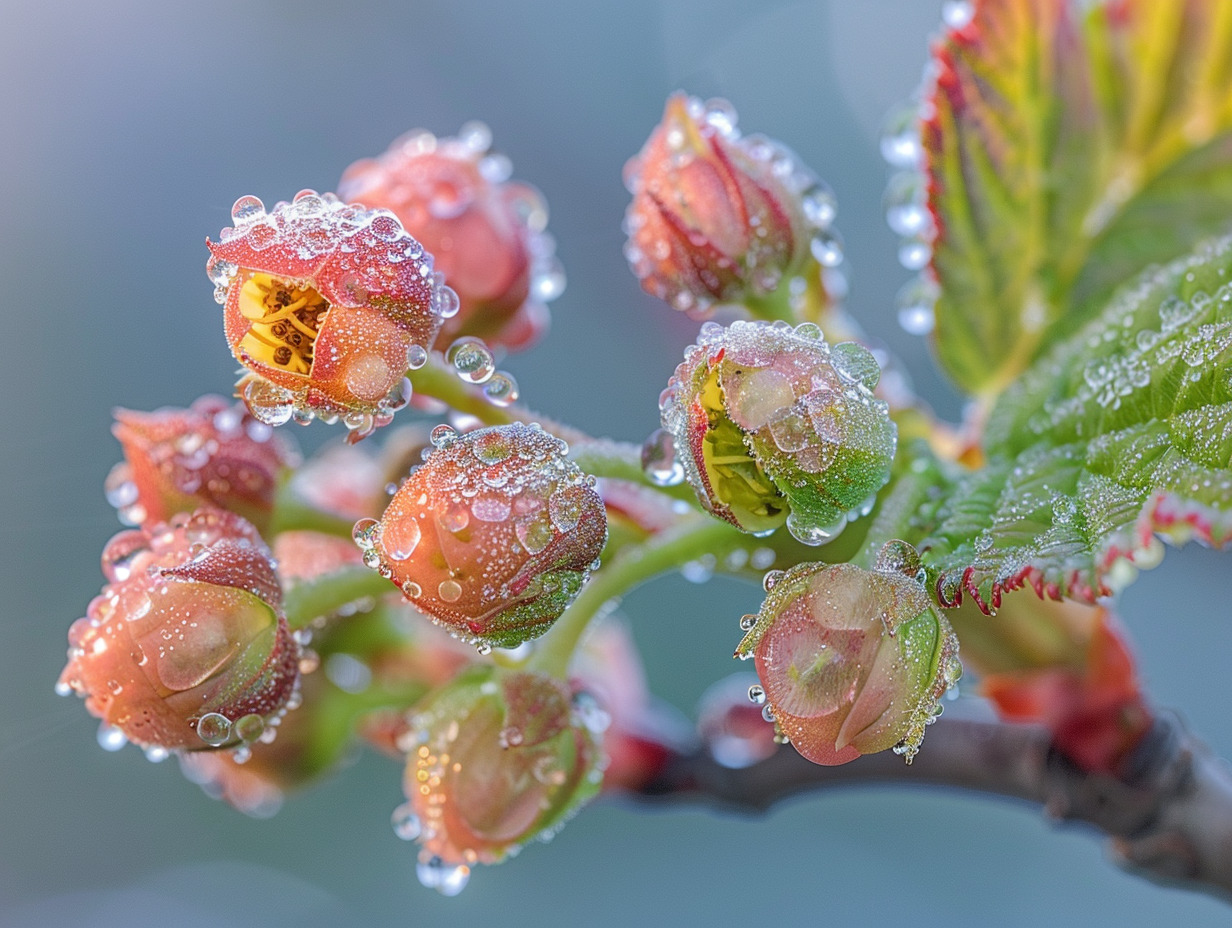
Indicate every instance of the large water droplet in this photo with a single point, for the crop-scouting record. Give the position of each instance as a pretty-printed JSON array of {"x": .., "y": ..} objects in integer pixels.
[
  {"x": 111, "y": 738},
  {"x": 416, "y": 356},
  {"x": 501, "y": 389},
  {"x": 809, "y": 533},
  {"x": 659, "y": 461},
  {"x": 472, "y": 359},
  {"x": 406, "y": 823},
  {"x": 447, "y": 880},
  {"x": 247, "y": 209},
  {"x": 855, "y": 363},
  {"x": 400, "y": 537},
  {"x": 214, "y": 729}
]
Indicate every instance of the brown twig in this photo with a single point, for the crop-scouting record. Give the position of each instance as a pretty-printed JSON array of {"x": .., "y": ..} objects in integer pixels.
[{"x": 1169, "y": 819}]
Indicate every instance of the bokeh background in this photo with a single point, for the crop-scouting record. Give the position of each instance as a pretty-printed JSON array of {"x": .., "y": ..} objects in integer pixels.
[{"x": 128, "y": 128}]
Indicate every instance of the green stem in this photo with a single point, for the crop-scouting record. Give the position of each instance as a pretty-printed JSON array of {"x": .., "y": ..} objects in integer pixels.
[
  {"x": 291, "y": 513},
  {"x": 633, "y": 567},
  {"x": 310, "y": 599}
]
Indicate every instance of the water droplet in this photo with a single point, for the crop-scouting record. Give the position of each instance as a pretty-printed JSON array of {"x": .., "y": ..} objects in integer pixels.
[
  {"x": 587, "y": 712},
  {"x": 214, "y": 729},
  {"x": 248, "y": 728},
  {"x": 757, "y": 694},
  {"x": 400, "y": 537},
  {"x": 155, "y": 753},
  {"x": 700, "y": 570},
  {"x": 899, "y": 557},
  {"x": 855, "y": 363},
  {"x": 416, "y": 356},
  {"x": 915, "y": 303},
  {"x": 268, "y": 403},
  {"x": 549, "y": 281},
  {"x": 406, "y": 823},
  {"x": 247, "y": 209},
  {"x": 957, "y": 13},
  {"x": 809, "y": 533},
  {"x": 447, "y": 880},
  {"x": 446, "y": 301},
  {"x": 914, "y": 254},
  {"x": 900, "y": 140},
  {"x": 442, "y": 436},
  {"x": 471, "y": 359},
  {"x": 364, "y": 533},
  {"x": 659, "y": 461},
  {"x": 501, "y": 389},
  {"x": 449, "y": 590},
  {"x": 827, "y": 248},
  {"x": 819, "y": 206},
  {"x": 771, "y": 578},
  {"x": 767, "y": 713},
  {"x": 111, "y": 738},
  {"x": 476, "y": 136},
  {"x": 747, "y": 621}
]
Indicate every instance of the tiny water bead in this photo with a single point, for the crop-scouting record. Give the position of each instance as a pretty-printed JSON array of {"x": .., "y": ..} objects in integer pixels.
[
  {"x": 406, "y": 823},
  {"x": 659, "y": 461}
]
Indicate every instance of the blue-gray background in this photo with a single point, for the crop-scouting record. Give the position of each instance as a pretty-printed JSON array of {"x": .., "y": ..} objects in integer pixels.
[{"x": 126, "y": 131}]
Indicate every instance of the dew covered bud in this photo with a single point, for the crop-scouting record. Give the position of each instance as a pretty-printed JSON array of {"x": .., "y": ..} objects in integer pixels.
[
  {"x": 716, "y": 216},
  {"x": 485, "y": 231},
  {"x": 211, "y": 454},
  {"x": 186, "y": 647},
  {"x": 492, "y": 536},
  {"x": 851, "y": 661},
  {"x": 322, "y": 304},
  {"x": 773, "y": 425},
  {"x": 496, "y": 758}
]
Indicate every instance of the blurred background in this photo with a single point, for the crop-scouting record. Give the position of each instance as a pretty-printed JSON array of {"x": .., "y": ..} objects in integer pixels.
[{"x": 128, "y": 128}]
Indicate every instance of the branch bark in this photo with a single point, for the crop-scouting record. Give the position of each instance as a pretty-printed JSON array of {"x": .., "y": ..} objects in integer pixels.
[{"x": 1169, "y": 819}]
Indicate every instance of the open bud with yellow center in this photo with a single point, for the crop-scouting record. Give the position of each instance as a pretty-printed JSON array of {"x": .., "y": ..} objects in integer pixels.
[
  {"x": 186, "y": 647},
  {"x": 494, "y": 759},
  {"x": 774, "y": 426},
  {"x": 485, "y": 231},
  {"x": 492, "y": 536},
  {"x": 326, "y": 305},
  {"x": 211, "y": 454},
  {"x": 716, "y": 216},
  {"x": 851, "y": 661}
]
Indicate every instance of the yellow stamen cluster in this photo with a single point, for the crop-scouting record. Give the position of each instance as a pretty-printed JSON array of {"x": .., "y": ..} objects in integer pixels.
[{"x": 286, "y": 318}]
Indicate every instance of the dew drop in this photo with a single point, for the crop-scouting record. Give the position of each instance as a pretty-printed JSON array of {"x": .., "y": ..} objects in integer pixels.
[
  {"x": 416, "y": 356},
  {"x": 900, "y": 140},
  {"x": 111, "y": 738},
  {"x": 364, "y": 533},
  {"x": 405, "y": 822},
  {"x": 856, "y": 364},
  {"x": 899, "y": 557},
  {"x": 249, "y": 728},
  {"x": 819, "y": 206},
  {"x": 400, "y": 538},
  {"x": 247, "y": 209},
  {"x": 771, "y": 579},
  {"x": 914, "y": 254},
  {"x": 442, "y": 436},
  {"x": 956, "y": 14},
  {"x": 472, "y": 360},
  {"x": 809, "y": 533},
  {"x": 548, "y": 282},
  {"x": 501, "y": 389},
  {"x": 827, "y": 248},
  {"x": 747, "y": 621},
  {"x": 757, "y": 694},
  {"x": 446, "y": 302},
  {"x": 449, "y": 590},
  {"x": 447, "y": 880},
  {"x": 214, "y": 729},
  {"x": 155, "y": 753},
  {"x": 659, "y": 461}
]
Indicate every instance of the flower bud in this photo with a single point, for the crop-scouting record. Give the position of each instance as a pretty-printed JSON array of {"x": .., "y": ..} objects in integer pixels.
[
  {"x": 774, "y": 426},
  {"x": 323, "y": 302},
  {"x": 716, "y": 216},
  {"x": 186, "y": 647},
  {"x": 485, "y": 232},
  {"x": 851, "y": 661},
  {"x": 211, "y": 454},
  {"x": 492, "y": 536},
  {"x": 496, "y": 758}
]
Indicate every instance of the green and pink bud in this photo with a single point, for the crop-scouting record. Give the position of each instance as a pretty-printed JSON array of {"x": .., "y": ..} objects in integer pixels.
[
  {"x": 774, "y": 426},
  {"x": 487, "y": 233},
  {"x": 213, "y": 453},
  {"x": 851, "y": 661},
  {"x": 717, "y": 216},
  {"x": 492, "y": 536},
  {"x": 186, "y": 647},
  {"x": 495, "y": 759}
]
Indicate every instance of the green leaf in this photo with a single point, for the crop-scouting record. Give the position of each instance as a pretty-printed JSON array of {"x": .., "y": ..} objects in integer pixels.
[
  {"x": 1118, "y": 434},
  {"x": 1067, "y": 151}
]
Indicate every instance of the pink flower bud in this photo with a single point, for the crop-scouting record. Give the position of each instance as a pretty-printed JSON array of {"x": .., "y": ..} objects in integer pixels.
[
  {"x": 492, "y": 536},
  {"x": 772, "y": 426},
  {"x": 211, "y": 454},
  {"x": 326, "y": 305},
  {"x": 486, "y": 233},
  {"x": 495, "y": 758},
  {"x": 716, "y": 216},
  {"x": 186, "y": 646},
  {"x": 852, "y": 661}
]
